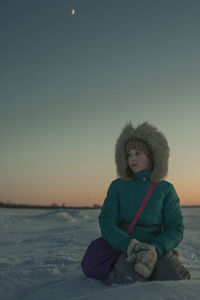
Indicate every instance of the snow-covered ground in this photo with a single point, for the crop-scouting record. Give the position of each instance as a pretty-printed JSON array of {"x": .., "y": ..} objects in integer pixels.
[{"x": 41, "y": 251}]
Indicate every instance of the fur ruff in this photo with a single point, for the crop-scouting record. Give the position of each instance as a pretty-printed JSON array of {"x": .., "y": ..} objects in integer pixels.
[{"x": 156, "y": 142}]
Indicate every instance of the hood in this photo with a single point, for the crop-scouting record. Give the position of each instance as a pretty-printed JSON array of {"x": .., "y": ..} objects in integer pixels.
[{"x": 156, "y": 142}]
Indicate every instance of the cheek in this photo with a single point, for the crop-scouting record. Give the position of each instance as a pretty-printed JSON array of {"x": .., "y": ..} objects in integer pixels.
[{"x": 144, "y": 161}]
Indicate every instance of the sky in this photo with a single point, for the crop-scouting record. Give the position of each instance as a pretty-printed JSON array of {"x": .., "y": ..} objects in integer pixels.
[{"x": 70, "y": 83}]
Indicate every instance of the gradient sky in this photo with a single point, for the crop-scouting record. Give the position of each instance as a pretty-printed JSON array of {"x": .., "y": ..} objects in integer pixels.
[{"x": 70, "y": 83}]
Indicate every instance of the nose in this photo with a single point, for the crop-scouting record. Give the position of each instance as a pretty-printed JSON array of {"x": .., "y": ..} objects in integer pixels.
[{"x": 133, "y": 158}]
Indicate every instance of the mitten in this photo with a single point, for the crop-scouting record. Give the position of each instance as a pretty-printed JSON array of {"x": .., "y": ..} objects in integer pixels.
[
  {"x": 143, "y": 255},
  {"x": 146, "y": 258},
  {"x": 131, "y": 251}
]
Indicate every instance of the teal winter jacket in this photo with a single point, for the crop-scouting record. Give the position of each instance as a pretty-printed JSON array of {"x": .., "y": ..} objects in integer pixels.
[{"x": 161, "y": 222}]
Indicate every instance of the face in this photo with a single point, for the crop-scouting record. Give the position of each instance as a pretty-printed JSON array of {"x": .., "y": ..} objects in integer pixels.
[{"x": 138, "y": 161}]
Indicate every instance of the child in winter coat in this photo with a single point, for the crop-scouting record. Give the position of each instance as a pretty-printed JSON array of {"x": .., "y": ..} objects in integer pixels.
[{"x": 147, "y": 253}]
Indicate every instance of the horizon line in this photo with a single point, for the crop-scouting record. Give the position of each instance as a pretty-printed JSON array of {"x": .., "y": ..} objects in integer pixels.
[{"x": 63, "y": 206}]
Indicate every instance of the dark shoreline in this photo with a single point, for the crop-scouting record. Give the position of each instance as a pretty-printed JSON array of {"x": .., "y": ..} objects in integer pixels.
[
  {"x": 95, "y": 206},
  {"x": 5, "y": 205}
]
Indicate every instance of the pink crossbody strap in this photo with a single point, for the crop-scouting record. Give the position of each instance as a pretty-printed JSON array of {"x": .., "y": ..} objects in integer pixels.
[{"x": 141, "y": 208}]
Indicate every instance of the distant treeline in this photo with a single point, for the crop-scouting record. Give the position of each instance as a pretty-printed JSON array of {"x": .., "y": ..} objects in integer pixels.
[
  {"x": 53, "y": 206},
  {"x": 56, "y": 206},
  {"x": 189, "y": 206}
]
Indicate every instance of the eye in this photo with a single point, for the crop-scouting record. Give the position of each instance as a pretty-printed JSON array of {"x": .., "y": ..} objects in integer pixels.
[{"x": 137, "y": 153}]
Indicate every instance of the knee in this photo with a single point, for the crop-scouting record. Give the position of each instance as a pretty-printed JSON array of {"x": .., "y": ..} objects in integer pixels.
[{"x": 169, "y": 267}]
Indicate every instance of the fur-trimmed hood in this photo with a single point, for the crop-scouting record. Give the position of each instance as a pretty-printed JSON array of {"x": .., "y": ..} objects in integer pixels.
[{"x": 157, "y": 144}]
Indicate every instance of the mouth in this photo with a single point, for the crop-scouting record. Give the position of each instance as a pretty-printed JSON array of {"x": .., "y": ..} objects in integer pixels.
[{"x": 133, "y": 166}]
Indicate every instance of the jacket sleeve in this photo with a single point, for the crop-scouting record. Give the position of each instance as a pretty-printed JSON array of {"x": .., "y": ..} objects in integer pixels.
[
  {"x": 108, "y": 221},
  {"x": 172, "y": 222}
]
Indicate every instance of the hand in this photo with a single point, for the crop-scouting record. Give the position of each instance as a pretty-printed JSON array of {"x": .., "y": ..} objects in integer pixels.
[
  {"x": 135, "y": 250},
  {"x": 131, "y": 251},
  {"x": 146, "y": 258}
]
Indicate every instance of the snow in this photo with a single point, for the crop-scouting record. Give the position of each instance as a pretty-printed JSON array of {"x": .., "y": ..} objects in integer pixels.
[{"x": 41, "y": 251}]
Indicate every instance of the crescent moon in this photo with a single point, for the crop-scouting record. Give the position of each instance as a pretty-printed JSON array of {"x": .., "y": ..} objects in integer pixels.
[{"x": 73, "y": 12}]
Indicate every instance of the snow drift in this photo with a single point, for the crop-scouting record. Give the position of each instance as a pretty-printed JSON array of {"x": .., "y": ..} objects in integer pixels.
[{"x": 41, "y": 251}]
